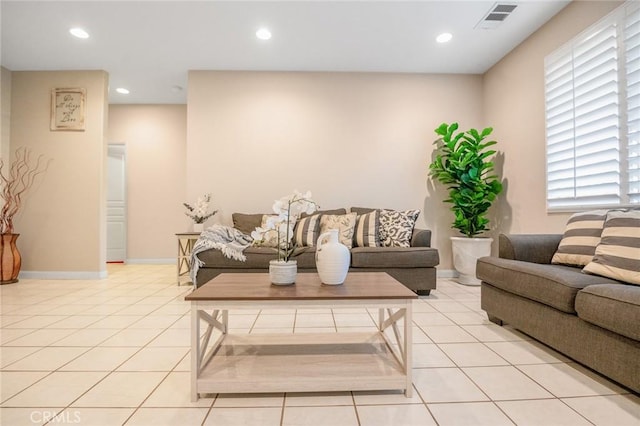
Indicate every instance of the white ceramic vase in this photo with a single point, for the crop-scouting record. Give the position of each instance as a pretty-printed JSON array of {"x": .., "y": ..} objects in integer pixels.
[
  {"x": 198, "y": 227},
  {"x": 283, "y": 273},
  {"x": 332, "y": 258},
  {"x": 466, "y": 252}
]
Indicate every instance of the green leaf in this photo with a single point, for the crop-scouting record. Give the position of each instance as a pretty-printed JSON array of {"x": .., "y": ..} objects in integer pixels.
[{"x": 486, "y": 131}]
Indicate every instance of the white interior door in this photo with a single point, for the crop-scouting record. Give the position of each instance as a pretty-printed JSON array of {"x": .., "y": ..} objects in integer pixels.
[{"x": 116, "y": 204}]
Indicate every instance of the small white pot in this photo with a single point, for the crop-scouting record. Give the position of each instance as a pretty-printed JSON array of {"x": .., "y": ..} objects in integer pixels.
[
  {"x": 283, "y": 273},
  {"x": 198, "y": 227},
  {"x": 466, "y": 252}
]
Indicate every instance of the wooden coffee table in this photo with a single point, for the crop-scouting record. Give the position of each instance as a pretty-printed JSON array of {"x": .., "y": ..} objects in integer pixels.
[{"x": 301, "y": 362}]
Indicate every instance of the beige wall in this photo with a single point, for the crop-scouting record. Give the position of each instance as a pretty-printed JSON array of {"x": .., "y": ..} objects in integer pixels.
[
  {"x": 62, "y": 224},
  {"x": 514, "y": 105},
  {"x": 353, "y": 139},
  {"x": 250, "y": 137},
  {"x": 155, "y": 139},
  {"x": 5, "y": 112}
]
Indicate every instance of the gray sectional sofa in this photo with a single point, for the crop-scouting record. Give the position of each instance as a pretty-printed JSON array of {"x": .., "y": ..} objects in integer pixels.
[
  {"x": 414, "y": 266},
  {"x": 594, "y": 320}
]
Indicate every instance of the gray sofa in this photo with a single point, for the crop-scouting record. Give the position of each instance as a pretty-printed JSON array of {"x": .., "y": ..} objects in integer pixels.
[
  {"x": 414, "y": 266},
  {"x": 594, "y": 320}
]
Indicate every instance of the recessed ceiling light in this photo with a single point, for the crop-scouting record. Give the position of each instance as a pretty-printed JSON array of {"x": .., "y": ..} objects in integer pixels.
[
  {"x": 444, "y": 37},
  {"x": 122, "y": 91},
  {"x": 263, "y": 34},
  {"x": 79, "y": 32}
]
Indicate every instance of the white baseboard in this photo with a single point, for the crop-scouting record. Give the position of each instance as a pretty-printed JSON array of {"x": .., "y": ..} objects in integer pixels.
[
  {"x": 447, "y": 273},
  {"x": 168, "y": 261},
  {"x": 62, "y": 275}
]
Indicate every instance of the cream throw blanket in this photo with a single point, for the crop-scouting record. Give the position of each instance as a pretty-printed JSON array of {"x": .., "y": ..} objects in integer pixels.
[{"x": 228, "y": 240}]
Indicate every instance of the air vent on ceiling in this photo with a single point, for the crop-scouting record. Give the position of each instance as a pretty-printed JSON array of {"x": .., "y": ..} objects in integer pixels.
[{"x": 496, "y": 16}]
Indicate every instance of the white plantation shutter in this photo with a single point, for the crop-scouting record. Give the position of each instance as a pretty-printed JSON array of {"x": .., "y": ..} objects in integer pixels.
[
  {"x": 589, "y": 87},
  {"x": 632, "y": 49}
]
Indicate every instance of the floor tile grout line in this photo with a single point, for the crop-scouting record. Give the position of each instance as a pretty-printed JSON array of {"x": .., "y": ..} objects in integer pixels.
[
  {"x": 355, "y": 408},
  {"x": 569, "y": 365},
  {"x": 147, "y": 397},
  {"x": 426, "y": 405},
  {"x": 2, "y": 402}
]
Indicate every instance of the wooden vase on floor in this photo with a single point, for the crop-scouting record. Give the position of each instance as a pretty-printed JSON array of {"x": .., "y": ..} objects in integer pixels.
[{"x": 10, "y": 260}]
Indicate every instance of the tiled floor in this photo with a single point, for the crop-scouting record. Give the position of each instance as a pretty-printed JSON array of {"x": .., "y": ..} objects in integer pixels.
[{"x": 116, "y": 352}]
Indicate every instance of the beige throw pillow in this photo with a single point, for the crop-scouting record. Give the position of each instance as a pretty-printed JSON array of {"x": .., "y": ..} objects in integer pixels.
[
  {"x": 270, "y": 238},
  {"x": 345, "y": 224}
]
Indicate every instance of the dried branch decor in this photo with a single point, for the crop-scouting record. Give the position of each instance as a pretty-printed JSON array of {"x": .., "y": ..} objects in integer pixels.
[{"x": 15, "y": 182}]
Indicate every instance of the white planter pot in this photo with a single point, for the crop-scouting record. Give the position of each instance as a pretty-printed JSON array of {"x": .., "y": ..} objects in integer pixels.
[
  {"x": 332, "y": 258},
  {"x": 198, "y": 227},
  {"x": 466, "y": 251},
  {"x": 283, "y": 273}
]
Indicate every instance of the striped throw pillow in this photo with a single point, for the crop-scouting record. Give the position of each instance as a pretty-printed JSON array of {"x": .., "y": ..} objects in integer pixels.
[
  {"x": 367, "y": 232},
  {"x": 618, "y": 254},
  {"x": 580, "y": 239},
  {"x": 306, "y": 231}
]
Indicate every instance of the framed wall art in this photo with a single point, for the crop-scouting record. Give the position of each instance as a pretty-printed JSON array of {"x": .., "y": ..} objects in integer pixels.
[{"x": 67, "y": 109}]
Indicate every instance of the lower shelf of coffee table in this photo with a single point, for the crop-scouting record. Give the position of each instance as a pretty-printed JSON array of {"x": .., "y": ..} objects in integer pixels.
[{"x": 302, "y": 363}]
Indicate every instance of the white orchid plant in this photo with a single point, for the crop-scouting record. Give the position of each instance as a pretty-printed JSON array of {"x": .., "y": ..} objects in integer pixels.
[
  {"x": 199, "y": 211},
  {"x": 287, "y": 209}
]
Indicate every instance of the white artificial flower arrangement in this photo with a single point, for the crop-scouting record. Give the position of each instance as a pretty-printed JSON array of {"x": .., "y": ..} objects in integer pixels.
[
  {"x": 198, "y": 213},
  {"x": 288, "y": 209}
]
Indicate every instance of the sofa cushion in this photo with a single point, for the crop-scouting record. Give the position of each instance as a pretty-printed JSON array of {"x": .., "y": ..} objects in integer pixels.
[
  {"x": 396, "y": 228},
  {"x": 615, "y": 307},
  {"x": 307, "y": 231},
  {"x": 394, "y": 257},
  {"x": 305, "y": 256},
  {"x": 331, "y": 211},
  {"x": 257, "y": 258},
  {"x": 367, "y": 232},
  {"x": 580, "y": 238},
  {"x": 344, "y": 223},
  {"x": 618, "y": 254},
  {"x": 246, "y": 223},
  {"x": 553, "y": 285},
  {"x": 361, "y": 210}
]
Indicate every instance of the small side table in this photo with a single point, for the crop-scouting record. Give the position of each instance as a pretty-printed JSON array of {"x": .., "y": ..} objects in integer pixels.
[{"x": 186, "y": 241}]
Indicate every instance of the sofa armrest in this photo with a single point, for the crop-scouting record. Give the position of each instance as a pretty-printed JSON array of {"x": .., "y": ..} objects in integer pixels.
[
  {"x": 534, "y": 248},
  {"x": 421, "y": 238}
]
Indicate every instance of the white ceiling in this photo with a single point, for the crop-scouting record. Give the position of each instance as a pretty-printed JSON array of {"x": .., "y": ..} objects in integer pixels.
[{"x": 148, "y": 46}]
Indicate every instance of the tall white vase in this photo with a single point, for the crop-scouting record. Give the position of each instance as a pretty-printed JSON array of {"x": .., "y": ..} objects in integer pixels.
[
  {"x": 332, "y": 258},
  {"x": 466, "y": 252}
]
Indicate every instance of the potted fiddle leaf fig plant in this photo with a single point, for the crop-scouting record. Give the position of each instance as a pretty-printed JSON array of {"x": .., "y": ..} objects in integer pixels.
[
  {"x": 463, "y": 162},
  {"x": 15, "y": 180}
]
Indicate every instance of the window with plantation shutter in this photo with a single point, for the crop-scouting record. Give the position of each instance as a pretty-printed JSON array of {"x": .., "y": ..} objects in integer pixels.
[
  {"x": 632, "y": 50},
  {"x": 592, "y": 105}
]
